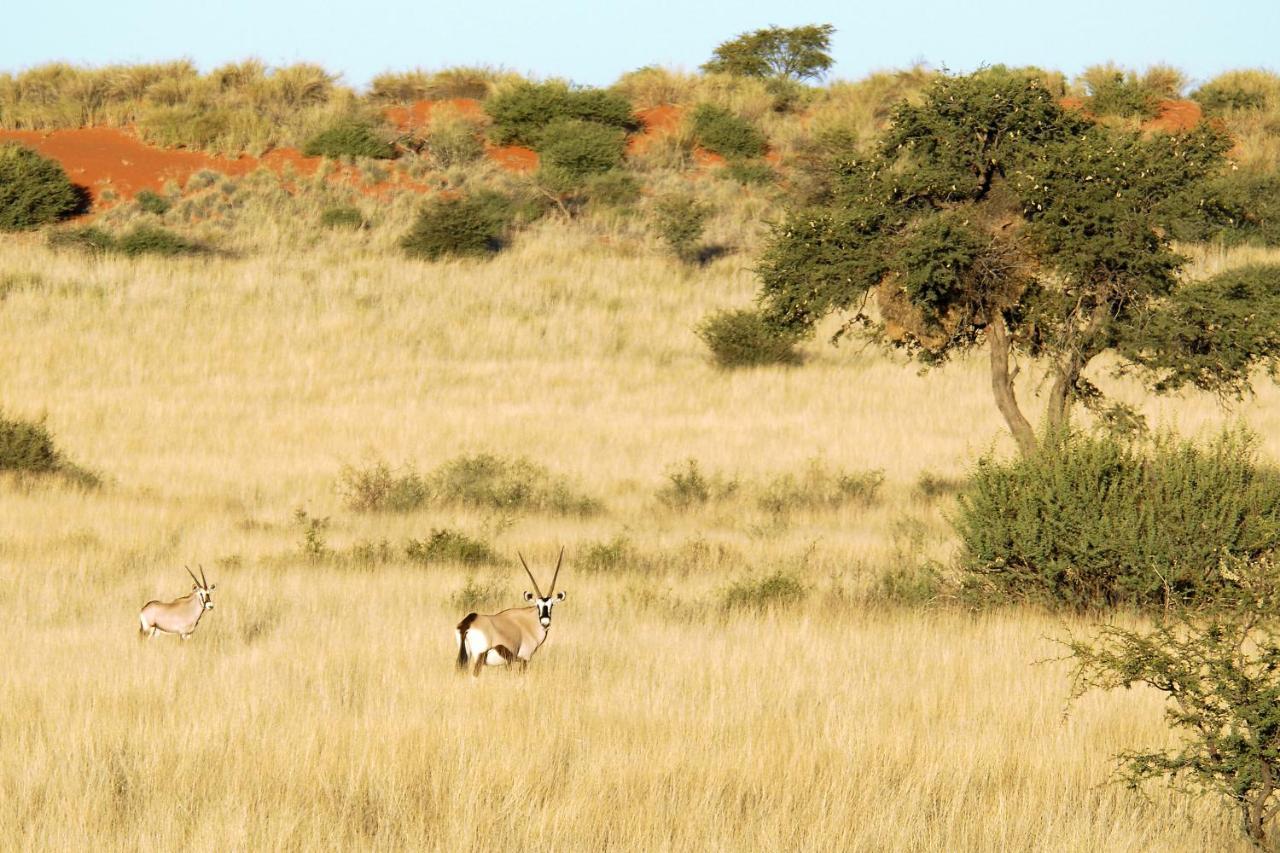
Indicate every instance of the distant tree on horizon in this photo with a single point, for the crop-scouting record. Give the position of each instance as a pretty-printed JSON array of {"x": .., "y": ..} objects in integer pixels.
[{"x": 795, "y": 53}]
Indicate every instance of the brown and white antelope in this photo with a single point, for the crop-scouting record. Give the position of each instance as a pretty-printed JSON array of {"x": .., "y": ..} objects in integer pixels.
[
  {"x": 512, "y": 635},
  {"x": 181, "y": 615}
]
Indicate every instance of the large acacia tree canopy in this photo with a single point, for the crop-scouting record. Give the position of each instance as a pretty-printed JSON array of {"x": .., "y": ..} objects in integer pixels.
[{"x": 987, "y": 201}]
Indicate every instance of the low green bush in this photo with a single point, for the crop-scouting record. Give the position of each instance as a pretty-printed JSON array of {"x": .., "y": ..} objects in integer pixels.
[
  {"x": 34, "y": 190},
  {"x": 727, "y": 134},
  {"x": 819, "y": 487},
  {"x": 742, "y": 338},
  {"x": 349, "y": 139},
  {"x": 378, "y": 488},
  {"x": 680, "y": 220},
  {"x": 749, "y": 171},
  {"x": 27, "y": 447},
  {"x": 771, "y": 591},
  {"x": 450, "y": 546},
  {"x": 688, "y": 486},
  {"x": 466, "y": 226},
  {"x": 521, "y": 112},
  {"x": 496, "y": 482},
  {"x": 142, "y": 240},
  {"x": 152, "y": 202},
  {"x": 343, "y": 217},
  {"x": 581, "y": 148},
  {"x": 1094, "y": 521}
]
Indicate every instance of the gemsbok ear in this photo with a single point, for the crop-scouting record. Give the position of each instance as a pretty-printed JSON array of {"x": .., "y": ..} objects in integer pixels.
[
  {"x": 528, "y": 596},
  {"x": 560, "y": 595}
]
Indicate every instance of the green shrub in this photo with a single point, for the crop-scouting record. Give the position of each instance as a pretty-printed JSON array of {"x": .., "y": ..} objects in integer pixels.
[
  {"x": 27, "y": 447},
  {"x": 314, "y": 546},
  {"x": 1115, "y": 92},
  {"x": 185, "y": 126},
  {"x": 605, "y": 556},
  {"x": 818, "y": 487},
  {"x": 1238, "y": 207},
  {"x": 475, "y": 596},
  {"x": 1248, "y": 89},
  {"x": 742, "y": 338},
  {"x": 680, "y": 221},
  {"x": 495, "y": 482},
  {"x": 615, "y": 188},
  {"x": 467, "y": 226},
  {"x": 930, "y": 485},
  {"x": 775, "y": 590},
  {"x": 454, "y": 142},
  {"x": 746, "y": 171},
  {"x": 378, "y": 488},
  {"x": 581, "y": 148},
  {"x": 34, "y": 190},
  {"x": 1093, "y": 521},
  {"x": 149, "y": 240},
  {"x": 450, "y": 546},
  {"x": 521, "y": 112},
  {"x": 724, "y": 133},
  {"x": 349, "y": 139},
  {"x": 687, "y": 486},
  {"x": 88, "y": 239},
  {"x": 152, "y": 202},
  {"x": 343, "y": 217}
]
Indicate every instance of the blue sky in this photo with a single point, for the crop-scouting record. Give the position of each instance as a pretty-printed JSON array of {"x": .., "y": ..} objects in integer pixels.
[{"x": 593, "y": 43}]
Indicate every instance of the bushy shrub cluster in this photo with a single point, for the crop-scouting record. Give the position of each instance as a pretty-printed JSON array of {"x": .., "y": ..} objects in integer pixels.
[
  {"x": 742, "y": 338},
  {"x": 343, "y": 217},
  {"x": 445, "y": 545},
  {"x": 349, "y": 139},
  {"x": 461, "y": 226},
  {"x": 28, "y": 448},
  {"x": 34, "y": 190},
  {"x": 581, "y": 148},
  {"x": 482, "y": 480},
  {"x": 142, "y": 240},
  {"x": 688, "y": 486},
  {"x": 1113, "y": 91},
  {"x": 819, "y": 487},
  {"x": 523, "y": 111},
  {"x": 679, "y": 220},
  {"x": 152, "y": 202},
  {"x": 1092, "y": 520},
  {"x": 772, "y": 591},
  {"x": 722, "y": 132}
]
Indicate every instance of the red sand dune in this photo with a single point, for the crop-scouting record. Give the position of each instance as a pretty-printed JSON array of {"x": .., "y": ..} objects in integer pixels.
[
  {"x": 1175, "y": 117},
  {"x": 419, "y": 114}
]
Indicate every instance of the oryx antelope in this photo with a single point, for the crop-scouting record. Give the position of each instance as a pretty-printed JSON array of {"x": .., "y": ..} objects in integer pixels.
[
  {"x": 181, "y": 615},
  {"x": 512, "y": 635}
]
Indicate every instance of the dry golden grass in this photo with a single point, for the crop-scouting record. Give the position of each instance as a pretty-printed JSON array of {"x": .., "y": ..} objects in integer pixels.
[{"x": 317, "y": 705}]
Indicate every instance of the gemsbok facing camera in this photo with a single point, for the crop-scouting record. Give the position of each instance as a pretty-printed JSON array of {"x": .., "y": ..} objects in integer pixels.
[{"x": 512, "y": 635}]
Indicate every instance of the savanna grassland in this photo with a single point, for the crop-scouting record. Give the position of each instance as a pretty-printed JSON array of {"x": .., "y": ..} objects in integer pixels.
[
  {"x": 761, "y": 648},
  {"x": 317, "y": 706}
]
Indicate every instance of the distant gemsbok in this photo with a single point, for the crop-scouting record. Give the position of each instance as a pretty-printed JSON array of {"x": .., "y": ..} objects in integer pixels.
[
  {"x": 511, "y": 635},
  {"x": 181, "y": 615}
]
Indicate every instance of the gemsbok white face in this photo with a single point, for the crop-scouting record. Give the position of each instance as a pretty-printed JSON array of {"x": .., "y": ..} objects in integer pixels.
[
  {"x": 181, "y": 615},
  {"x": 512, "y": 635}
]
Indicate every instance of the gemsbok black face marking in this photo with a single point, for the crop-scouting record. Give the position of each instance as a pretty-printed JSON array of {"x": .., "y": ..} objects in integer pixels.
[
  {"x": 512, "y": 635},
  {"x": 181, "y": 615}
]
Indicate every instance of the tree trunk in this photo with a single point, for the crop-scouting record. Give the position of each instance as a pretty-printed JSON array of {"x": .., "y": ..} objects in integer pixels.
[
  {"x": 1002, "y": 388},
  {"x": 1068, "y": 370}
]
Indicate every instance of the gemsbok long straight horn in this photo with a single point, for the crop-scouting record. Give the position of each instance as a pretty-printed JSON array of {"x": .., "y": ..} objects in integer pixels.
[
  {"x": 181, "y": 615},
  {"x": 512, "y": 635}
]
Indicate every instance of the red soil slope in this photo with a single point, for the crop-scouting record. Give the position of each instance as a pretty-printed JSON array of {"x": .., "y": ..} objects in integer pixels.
[
  {"x": 418, "y": 115},
  {"x": 1175, "y": 117}
]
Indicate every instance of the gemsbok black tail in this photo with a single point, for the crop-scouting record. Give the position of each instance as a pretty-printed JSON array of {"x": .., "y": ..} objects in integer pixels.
[{"x": 462, "y": 639}]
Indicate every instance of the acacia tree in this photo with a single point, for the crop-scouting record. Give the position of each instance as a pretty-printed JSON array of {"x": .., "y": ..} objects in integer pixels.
[
  {"x": 989, "y": 215},
  {"x": 795, "y": 53}
]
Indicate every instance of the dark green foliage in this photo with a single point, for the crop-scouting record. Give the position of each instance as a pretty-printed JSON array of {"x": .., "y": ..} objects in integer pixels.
[
  {"x": 349, "y": 139},
  {"x": 581, "y": 148},
  {"x": 687, "y": 486},
  {"x": 475, "y": 596},
  {"x": 616, "y": 553},
  {"x": 34, "y": 190},
  {"x": 795, "y": 53},
  {"x": 450, "y": 546},
  {"x": 724, "y": 133},
  {"x": 343, "y": 217},
  {"x": 679, "y": 221},
  {"x": 495, "y": 482},
  {"x": 143, "y": 240},
  {"x": 776, "y": 590},
  {"x": 1094, "y": 521},
  {"x": 1211, "y": 335},
  {"x": 465, "y": 226},
  {"x": 742, "y": 338},
  {"x": 151, "y": 202},
  {"x": 615, "y": 188},
  {"x": 1219, "y": 668},
  {"x": 1220, "y": 96},
  {"x": 27, "y": 447},
  {"x": 1238, "y": 207},
  {"x": 521, "y": 112},
  {"x": 378, "y": 488},
  {"x": 1113, "y": 92},
  {"x": 746, "y": 171},
  {"x": 931, "y": 486},
  {"x": 989, "y": 215}
]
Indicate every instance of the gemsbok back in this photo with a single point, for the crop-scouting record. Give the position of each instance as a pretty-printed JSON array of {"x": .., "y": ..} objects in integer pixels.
[
  {"x": 181, "y": 615},
  {"x": 512, "y": 635}
]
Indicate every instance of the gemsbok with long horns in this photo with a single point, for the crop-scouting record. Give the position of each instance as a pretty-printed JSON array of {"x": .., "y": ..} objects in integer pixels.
[
  {"x": 512, "y": 635},
  {"x": 181, "y": 615}
]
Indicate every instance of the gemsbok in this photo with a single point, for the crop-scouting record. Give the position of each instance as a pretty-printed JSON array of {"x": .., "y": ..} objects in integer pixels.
[
  {"x": 181, "y": 615},
  {"x": 512, "y": 635}
]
